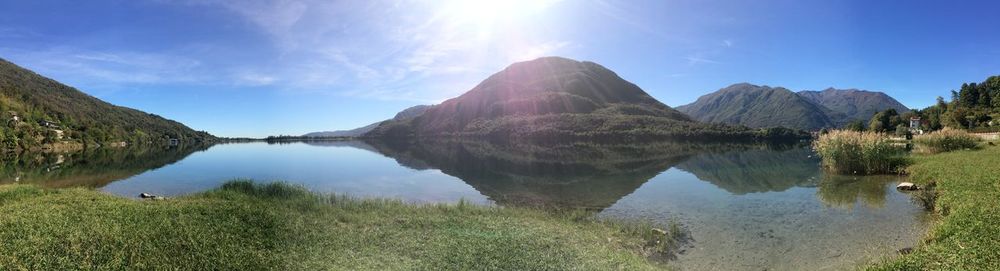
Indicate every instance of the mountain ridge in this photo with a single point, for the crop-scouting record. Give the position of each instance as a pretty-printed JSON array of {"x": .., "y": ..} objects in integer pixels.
[
  {"x": 855, "y": 103},
  {"x": 409, "y": 112},
  {"x": 554, "y": 97},
  {"x": 764, "y": 106}
]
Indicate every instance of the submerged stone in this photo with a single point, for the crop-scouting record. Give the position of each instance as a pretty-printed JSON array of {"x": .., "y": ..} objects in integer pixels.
[{"x": 907, "y": 186}]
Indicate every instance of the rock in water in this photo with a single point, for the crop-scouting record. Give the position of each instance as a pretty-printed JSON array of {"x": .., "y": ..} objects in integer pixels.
[
  {"x": 659, "y": 232},
  {"x": 151, "y": 196},
  {"x": 907, "y": 186}
]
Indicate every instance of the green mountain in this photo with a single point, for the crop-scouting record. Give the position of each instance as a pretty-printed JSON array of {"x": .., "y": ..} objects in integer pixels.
[
  {"x": 408, "y": 113},
  {"x": 763, "y": 106},
  {"x": 758, "y": 107},
  {"x": 854, "y": 104},
  {"x": 37, "y": 110},
  {"x": 555, "y": 98}
]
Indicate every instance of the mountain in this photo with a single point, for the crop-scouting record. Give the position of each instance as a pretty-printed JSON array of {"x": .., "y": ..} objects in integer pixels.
[
  {"x": 553, "y": 98},
  {"x": 853, "y": 103},
  {"x": 758, "y": 107},
  {"x": 411, "y": 112},
  {"x": 345, "y": 133},
  {"x": 39, "y": 110},
  {"x": 763, "y": 106}
]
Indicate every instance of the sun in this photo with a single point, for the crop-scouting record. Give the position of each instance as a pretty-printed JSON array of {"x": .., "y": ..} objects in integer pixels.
[{"x": 486, "y": 15}]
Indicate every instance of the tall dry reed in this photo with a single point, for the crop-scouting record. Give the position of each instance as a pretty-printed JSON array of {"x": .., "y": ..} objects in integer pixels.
[
  {"x": 945, "y": 140},
  {"x": 851, "y": 152}
]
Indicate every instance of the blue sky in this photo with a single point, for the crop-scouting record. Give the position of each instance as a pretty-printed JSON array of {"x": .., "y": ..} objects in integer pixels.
[{"x": 257, "y": 68}]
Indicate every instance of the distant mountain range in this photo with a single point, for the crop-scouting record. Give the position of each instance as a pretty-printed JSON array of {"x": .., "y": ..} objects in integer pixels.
[
  {"x": 556, "y": 98},
  {"x": 39, "y": 110},
  {"x": 763, "y": 106},
  {"x": 411, "y": 112},
  {"x": 854, "y": 104}
]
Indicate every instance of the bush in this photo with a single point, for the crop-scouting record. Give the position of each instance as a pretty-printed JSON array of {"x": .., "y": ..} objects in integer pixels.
[
  {"x": 852, "y": 152},
  {"x": 945, "y": 140},
  {"x": 902, "y": 131}
]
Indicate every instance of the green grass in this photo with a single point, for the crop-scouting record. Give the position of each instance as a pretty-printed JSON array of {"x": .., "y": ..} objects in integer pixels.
[
  {"x": 862, "y": 153},
  {"x": 242, "y": 226},
  {"x": 967, "y": 235}
]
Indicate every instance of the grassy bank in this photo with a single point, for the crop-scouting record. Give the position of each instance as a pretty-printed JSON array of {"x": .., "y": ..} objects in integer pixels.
[
  {"x": 967, "y": 236},
  {"x": 242, "y": 226}
]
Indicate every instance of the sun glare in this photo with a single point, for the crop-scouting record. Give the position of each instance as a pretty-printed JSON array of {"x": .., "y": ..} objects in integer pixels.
[{"x": 485, "y": 15}]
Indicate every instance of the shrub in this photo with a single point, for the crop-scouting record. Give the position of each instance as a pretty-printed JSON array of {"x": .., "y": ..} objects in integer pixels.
[
  {"x": 852, "y": 152},
  {"x": 945, "y": 140}
]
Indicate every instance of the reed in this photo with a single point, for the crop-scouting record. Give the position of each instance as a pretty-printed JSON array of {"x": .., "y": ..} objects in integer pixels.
[
  {"x": 863, "y": 153},
  {"x": 945, "y": 140}
]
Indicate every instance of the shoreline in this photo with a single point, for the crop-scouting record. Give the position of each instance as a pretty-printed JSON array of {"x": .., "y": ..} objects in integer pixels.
[
  {"x": 964, "y": 235},
  {"x": 242, "y": 225}
]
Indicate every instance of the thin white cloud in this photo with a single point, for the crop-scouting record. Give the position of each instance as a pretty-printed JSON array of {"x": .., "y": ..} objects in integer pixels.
[
  {"x": 93, "y": 67},
  {"x": 695, "y": 60},
  {"x": 255, "y": 79},
  {"x": 16, "y": 33}
]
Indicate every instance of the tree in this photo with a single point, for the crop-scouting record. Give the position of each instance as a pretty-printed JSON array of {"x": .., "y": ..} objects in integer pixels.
[
  {"x": 857, "y": 126},
  {"x": 884, "y": 121},
  {"x": 968, "y": 95}
]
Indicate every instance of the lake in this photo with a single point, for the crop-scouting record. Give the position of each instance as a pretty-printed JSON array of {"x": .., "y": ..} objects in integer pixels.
[{"x": 745, "y": 206}]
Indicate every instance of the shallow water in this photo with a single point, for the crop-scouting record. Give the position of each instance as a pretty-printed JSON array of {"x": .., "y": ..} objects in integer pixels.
[{"x": 745, "y": 206}]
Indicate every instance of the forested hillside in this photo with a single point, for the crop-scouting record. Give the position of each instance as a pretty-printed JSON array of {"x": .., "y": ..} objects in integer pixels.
[
  {"x": 37, "y": 111},
  {"x": 974, "y": 106}
]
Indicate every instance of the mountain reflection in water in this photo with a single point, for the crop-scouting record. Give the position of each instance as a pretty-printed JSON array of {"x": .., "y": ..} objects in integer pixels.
[{"x": 578, "y": 175}]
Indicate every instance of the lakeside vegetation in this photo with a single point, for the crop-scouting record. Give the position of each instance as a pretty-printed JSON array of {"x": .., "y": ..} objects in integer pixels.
[
  {"x": 594, "y": 127},
  {"x": 865, "y": 153},
  {"x": 967, "y": 186},
  {"x": 945, "y": 140},
  {"x": 244, "y": 226}
]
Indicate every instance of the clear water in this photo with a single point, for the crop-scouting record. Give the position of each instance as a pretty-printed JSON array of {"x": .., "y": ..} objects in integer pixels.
[{"x": 745, "y": 206}]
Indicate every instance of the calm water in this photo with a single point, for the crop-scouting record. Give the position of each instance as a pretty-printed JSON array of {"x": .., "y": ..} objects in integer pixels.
[{"x": 746, "y": 206}]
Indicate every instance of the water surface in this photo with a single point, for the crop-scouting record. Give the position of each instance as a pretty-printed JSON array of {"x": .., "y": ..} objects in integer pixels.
[{"x": 746, "y": 206}]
